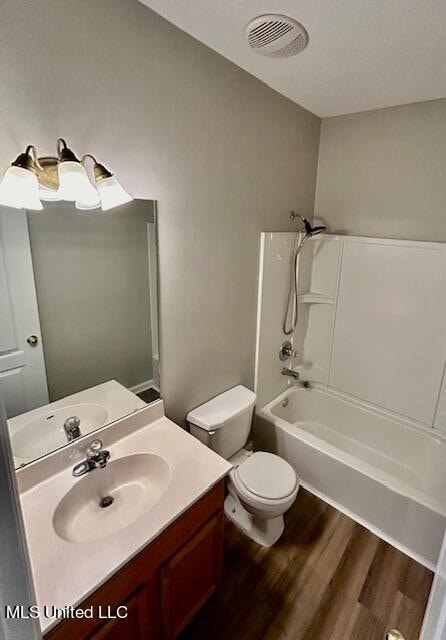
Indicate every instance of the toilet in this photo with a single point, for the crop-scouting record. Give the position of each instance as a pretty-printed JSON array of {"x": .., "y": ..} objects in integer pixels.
[{"x": 261, "y": 486}]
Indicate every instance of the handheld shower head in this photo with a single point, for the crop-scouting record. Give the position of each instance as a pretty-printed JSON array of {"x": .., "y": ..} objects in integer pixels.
[
  {"x": 307, "y": 225},
  {"x": 309, "y": 230},
  {"x": 291, "y": 312}
]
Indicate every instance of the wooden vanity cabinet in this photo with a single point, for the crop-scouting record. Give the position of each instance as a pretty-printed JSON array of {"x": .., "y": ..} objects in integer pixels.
[{"x": 164, "y": 586}]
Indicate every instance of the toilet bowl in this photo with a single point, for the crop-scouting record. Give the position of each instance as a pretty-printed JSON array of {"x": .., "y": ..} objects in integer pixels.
[{"x": 261, "y": 486}]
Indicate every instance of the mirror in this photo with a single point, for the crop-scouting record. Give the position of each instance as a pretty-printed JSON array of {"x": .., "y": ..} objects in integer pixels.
[{"x": 78, "y": 321}]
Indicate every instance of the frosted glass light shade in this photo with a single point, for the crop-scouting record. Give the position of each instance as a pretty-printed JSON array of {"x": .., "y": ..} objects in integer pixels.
[
  {"x": 112, "y": 194},
  {"x": 48, "y": 195},
  {"x": 92, "y": 203},
  {"x": 74, "y": 183},
  {"x": 20, "y": 189}
]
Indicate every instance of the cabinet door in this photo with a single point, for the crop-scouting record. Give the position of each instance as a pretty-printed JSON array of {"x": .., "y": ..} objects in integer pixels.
[
  {"x": 191, "y": 577},
  {"x": 142, "y": 621}
]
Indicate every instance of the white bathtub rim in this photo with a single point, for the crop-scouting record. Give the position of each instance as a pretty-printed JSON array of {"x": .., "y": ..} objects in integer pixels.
[
  {"x": 370, "y": 527},
  {"x": 408, "y": 423}
]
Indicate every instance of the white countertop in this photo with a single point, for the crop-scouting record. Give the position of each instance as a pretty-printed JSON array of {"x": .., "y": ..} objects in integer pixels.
[{"x": 66, "y": 573}]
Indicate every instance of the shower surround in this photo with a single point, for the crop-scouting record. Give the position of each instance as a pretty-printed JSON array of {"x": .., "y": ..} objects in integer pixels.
[{"x": 369, "y": 434}]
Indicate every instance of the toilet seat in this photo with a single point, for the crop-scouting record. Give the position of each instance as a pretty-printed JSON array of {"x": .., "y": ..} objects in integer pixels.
[{"x": 265, "y": 478}]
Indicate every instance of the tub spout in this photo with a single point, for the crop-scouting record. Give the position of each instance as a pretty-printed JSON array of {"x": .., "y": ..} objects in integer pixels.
[
  {"x": 290, "y": 373},
  {"x": 295, "y": 376}
]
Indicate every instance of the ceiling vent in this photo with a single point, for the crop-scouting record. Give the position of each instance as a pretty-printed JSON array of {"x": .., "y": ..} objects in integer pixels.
[{"x": 276, "y": 36}]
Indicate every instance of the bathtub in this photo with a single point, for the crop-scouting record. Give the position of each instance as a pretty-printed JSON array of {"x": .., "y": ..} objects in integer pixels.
[{"x": 386, "y": 472}]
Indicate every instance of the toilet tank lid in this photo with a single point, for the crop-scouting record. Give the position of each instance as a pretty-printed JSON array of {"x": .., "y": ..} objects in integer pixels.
[{"x": 224, "y": 407}]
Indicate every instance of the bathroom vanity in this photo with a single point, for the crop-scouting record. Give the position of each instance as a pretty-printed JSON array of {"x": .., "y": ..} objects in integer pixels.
[{"x": 154, "y": 555}]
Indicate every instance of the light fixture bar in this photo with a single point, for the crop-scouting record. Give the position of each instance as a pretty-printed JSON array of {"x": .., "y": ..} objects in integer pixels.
[{"x": 31, "y": 179}]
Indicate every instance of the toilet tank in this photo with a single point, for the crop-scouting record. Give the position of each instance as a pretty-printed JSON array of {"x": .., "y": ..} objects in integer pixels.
[{"x": 223, "y": 424}]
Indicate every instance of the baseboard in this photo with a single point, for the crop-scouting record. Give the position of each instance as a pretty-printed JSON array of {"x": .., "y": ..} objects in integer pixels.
[
  {"x": 377, "y": 532},
  {"x": 143, "y": 386}
]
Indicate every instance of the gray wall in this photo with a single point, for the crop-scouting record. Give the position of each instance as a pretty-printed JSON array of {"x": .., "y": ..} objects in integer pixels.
[
  {"x": 383, "y": 173},
  {"x": 92, "y": 282},
  {"x": 225, "y": 156}
]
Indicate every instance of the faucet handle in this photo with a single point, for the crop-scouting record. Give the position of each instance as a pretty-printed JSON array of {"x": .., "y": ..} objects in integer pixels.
[
  {"x": 72, "y": 423},
  {"x": 286, "y": 351},
  {"x": 94, "y": 448}
]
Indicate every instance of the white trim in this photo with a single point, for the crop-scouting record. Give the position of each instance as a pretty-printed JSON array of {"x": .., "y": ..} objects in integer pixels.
[
  {"x": 259, "y": 310},
  {"x": 377, "y": 532},
  {"x": 420, "y": 244},
  {"x": 153, "y": 284},
  {"x": 335, "y": 312},
  {"x": 143, "y": 386}
]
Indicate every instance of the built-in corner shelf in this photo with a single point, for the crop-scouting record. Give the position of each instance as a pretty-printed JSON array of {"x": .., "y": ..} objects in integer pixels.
[{"x": 315, "y": 298}]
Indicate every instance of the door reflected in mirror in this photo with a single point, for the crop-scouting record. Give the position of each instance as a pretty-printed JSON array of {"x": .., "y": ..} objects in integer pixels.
[{"x": 78, "y": 321}]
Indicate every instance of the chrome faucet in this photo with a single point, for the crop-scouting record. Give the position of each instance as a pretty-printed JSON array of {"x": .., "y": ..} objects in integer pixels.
[
  {"x": 72, "y": 428},
  {"x": 97, "y": 458},
  {"x": 290, "y": 373},
  {"x": 296, "y": 377}
]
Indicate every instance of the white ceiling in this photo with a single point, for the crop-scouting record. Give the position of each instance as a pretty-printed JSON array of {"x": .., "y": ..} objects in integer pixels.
[{"x": 362, "y": 54}]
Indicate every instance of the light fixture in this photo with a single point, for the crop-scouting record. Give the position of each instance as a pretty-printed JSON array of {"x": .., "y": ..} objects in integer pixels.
[
  {"x": 73, "y": 180},
  {"x": 31, "y": 180},
  {"x": 110, "y": 190},
  {"x": 19, "y": 187}
]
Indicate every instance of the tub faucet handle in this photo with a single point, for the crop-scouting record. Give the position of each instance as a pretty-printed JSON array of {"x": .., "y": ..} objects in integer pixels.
[{"x": 286, "y": 351}]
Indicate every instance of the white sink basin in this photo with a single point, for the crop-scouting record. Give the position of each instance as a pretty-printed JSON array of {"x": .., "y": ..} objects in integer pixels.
[
  {"x": 40, "y": 431},
  {"x": 46, "y": 433},
  {"x": 135, "y": 483}
]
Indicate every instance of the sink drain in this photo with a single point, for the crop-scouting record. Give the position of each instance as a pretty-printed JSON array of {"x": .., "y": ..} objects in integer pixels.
[{"x": 106, "y": 502}]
